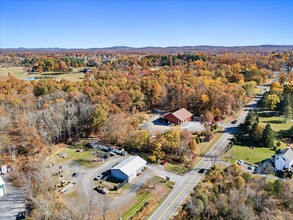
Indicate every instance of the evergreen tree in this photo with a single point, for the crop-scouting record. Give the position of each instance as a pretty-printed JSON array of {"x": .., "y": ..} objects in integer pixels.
[
  {"x": 287, "y": 107},
  {"x": 268, "y": 137},
  {"x": 251, "y": 119},
  {"x": 256, "y": 133}
]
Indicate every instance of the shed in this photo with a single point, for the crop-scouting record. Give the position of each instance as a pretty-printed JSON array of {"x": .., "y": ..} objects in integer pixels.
[
  {"x": 2, "y": 187},
  {"x": 178, "y": 117},
  {"x": 128, "y": 168}
]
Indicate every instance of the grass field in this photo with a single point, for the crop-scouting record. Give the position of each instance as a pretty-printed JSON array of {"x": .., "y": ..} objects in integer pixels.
[
  {"x": 83, "y": 158},
  {"x": 277, "y": 123},
  {"x": 19, "y": 72},
  {"x": 253, "y": 156}
]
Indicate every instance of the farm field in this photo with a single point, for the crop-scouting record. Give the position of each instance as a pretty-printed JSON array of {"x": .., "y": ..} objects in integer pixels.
[{"x": 20, "y": 73}]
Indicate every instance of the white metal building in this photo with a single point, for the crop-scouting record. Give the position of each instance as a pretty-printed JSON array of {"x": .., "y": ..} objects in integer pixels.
[
  {"x": 2, "y": 187},
  {"x": 128, "y": 168}
]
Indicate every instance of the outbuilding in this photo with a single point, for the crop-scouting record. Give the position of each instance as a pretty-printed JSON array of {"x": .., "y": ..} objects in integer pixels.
[
  {"x": 178, "y": 117},
  {"x": 2, "y": 187},
  {"x": 128, "y": 168}
]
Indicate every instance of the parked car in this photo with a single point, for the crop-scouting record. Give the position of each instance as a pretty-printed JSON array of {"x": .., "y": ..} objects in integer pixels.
[
  {"x": 111, "y": 153},
  {"x": 99, "y": 177},
  {"x": 234, "y": 122},
  {"x": 239, "y": 162},
  {"x": 163, "y": 162},
  {"x": 251, "y": 167},
  {"x": 101, "y": 190}
]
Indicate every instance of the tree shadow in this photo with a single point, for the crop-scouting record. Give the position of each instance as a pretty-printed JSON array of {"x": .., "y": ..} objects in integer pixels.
[{"x": 160, "y": 121}]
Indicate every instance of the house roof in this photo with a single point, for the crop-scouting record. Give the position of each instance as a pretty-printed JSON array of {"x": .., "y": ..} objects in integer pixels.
[
  {"x": 182, "y": 114},
  {"x": 287, "y": 154},
  {"x": 1, "y": 181},
  {"x": 130, "y": 165}
]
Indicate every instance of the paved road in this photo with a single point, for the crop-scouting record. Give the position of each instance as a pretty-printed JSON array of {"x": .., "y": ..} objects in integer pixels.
[
  {"x": 11, "y": 203},
  {"x": 190, "y": 180}
]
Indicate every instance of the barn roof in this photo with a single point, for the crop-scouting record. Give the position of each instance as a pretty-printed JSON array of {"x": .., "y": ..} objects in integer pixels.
[
  {"x": 182, "y": 114},
  {"x": 130, "y": 165}
]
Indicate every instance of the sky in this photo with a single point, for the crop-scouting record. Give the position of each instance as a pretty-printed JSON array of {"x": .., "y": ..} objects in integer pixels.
[{"x": 140, "y": 23}]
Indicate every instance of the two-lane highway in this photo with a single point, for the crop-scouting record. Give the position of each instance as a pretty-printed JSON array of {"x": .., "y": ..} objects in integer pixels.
[{"x": 190, "y": 180}]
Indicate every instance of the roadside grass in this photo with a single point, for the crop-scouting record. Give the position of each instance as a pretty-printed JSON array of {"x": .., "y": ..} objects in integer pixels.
[
  {"x": 203, "y": 148},
  {"x": 15, "y": 71},
  {"x": 145, "y": 195},
  {"x": 142, "y": 198},
  {"x": 177, "y": 168}
]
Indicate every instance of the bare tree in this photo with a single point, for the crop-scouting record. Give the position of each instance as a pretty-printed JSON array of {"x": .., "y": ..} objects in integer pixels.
[{"x": 105, "y": 205}]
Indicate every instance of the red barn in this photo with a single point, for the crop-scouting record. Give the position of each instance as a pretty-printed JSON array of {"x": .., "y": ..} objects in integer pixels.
[{"x": 178, "y": 117}]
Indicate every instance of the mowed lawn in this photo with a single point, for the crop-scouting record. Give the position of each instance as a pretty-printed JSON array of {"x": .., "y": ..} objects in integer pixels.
[
  {"x": 253, "y": 156},
  {"x": 277, "y": 123}
]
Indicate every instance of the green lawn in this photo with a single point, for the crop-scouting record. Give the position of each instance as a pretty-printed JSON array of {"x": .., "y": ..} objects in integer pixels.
[
  {"x": 277, "y": 123},
  {"x": 203, "y": 148},
  {"x": 239, "y": 152},
  {"x": 177, "y": 168}
]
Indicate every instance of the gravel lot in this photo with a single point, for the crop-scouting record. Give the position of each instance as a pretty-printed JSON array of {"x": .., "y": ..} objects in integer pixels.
[{"x": 154, "y": 125}]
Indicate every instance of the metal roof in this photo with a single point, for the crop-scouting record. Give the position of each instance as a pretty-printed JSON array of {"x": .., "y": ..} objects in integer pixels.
[
  {"x": 130, "y": 165},
  {"x": 182, "y": 114}
]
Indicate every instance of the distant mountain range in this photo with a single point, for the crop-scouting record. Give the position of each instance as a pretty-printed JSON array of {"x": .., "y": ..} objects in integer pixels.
[{"x": 172, "y": 49}]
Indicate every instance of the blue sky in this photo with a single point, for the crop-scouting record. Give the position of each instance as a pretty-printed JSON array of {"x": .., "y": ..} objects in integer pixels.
[{"x": 139, "y": 23}]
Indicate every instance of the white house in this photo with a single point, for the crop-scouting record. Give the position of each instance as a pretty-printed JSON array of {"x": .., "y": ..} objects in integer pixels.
[
  {"x": 2, "y": 187},
  {"x": 128, "y": 168},
  {"x": 283, "y": 159}
]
